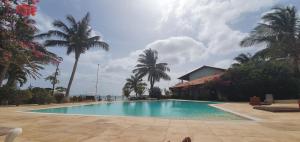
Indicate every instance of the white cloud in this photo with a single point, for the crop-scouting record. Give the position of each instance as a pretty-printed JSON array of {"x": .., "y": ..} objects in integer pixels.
[
  {"x": 225, "y": 63},
  {"x": 178, "y": 50},
  {"x": 211, "y": 40},
  {"x": 44, "y": 22}
]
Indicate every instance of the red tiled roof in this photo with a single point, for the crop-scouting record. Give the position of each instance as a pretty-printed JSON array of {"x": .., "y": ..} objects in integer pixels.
[{"x": 199, "y": 81}]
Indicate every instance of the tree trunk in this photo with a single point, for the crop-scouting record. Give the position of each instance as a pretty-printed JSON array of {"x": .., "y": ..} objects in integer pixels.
[
  {"x": 55, "y": 79},
  {"x": 72, "y": 77},
  {"x": 296, "y": 66},
  {"x": 3, "y": 73},
  {"x": 11, "y": 81},
  {"x": 53, "y": 88},
  {"x": 151, "y": 86}
]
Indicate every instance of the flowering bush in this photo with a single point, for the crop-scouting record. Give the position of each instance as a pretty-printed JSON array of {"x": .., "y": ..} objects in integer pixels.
[{"x": 26, "y": 10}]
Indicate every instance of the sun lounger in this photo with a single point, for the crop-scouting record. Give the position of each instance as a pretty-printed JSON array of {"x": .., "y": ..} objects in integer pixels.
[
  {"x": 10, "y": 133},
  {"x": 277, "y": 109}
]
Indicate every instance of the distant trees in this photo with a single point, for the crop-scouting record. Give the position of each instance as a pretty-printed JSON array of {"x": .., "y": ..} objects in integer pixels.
[{"x": 76, "y": 37}]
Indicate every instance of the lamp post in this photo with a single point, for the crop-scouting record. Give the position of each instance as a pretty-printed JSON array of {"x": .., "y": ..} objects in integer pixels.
[{"x": 97, "y": 80}]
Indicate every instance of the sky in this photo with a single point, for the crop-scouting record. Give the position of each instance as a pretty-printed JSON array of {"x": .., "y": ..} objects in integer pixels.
[{"x": 186, "y": 33}]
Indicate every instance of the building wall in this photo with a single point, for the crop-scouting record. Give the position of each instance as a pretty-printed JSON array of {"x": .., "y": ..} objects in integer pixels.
[{"x": 204, "y": 72}]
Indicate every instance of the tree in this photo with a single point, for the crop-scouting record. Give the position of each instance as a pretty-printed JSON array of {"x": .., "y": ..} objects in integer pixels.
[
  {"x": 61, "y": 89},
  {"x": 136, "y": 84},
  {"x": 76, "y": 37},
  {"x": 20, "y": 55},
  {"x": 148, "y": 66},
  {"x": 53, "y": 78},
  {"x": 257, "y": 78},
  {"x": 126, "y": 91},
  {"x": 242, "y": 59},
  {"x": 141, "y": 88},
  {"x": 16, "y": 30},
  {"x": 280, "y": 31},
  {"x": 167, "y": 92},
  {"x": 156, "y": 93}
]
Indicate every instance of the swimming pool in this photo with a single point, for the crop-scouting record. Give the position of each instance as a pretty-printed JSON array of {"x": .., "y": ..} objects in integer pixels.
[{"x": 173, "y": 109}]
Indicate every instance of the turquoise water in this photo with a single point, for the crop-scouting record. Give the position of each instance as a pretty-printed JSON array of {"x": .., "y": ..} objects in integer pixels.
[{"x": 163, "y": 109}]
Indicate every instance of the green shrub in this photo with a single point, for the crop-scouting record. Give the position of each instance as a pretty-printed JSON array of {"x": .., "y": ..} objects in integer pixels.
[
  {"x": 257, "y": 79},
  {"x": 11, "y": 96},
  {"x": 6, "y": 95},
  {"x": 22, "y": 97},
  {"x": 42, "y": 96},
  {"x": 59, "y": 97},
  {"x": 155, "y": 93}
]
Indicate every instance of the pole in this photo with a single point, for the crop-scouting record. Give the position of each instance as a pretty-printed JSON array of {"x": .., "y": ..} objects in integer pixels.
[{"x": 97, "y": 80}]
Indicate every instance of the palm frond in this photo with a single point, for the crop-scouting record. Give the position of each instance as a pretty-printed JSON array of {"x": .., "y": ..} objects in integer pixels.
[
  {"x": 61, "y": 43},
  {"x": 94, "y": 43},
  {"x": 72, "y": 21},
  {"x": 61, "y": 25}
]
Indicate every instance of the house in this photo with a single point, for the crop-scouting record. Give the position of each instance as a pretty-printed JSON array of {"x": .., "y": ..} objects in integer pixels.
[{"x": 192, "y": 84}]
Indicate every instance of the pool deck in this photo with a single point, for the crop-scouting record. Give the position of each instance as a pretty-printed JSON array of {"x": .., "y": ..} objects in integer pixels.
[{"x": 269, "y": 127}]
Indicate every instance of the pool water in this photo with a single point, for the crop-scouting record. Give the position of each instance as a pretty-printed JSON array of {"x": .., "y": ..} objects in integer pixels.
[{"x": 173, "y": 109}]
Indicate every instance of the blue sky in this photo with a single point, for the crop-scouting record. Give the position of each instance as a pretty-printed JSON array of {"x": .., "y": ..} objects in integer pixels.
[{"x": 186, "y": 33}]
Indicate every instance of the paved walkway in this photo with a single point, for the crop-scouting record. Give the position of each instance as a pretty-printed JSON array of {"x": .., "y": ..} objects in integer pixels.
[{"x": 273, "y": 127}]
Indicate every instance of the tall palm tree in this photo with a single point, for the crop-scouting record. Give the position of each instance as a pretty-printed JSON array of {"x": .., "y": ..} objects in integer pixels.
[
  {"x": 76, "y": 37},
  {"x": 134, "y": 83},
  {"x": 148, "y": 66},
  {"x": 280, "y": 31}
]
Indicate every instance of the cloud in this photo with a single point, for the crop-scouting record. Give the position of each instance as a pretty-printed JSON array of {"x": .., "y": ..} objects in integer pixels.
[
  {"x": 44, "y": 22},
  {"x": 208, "y": 20},
  {"x": 208, "y": 39},
  {"x": 178, "y": 50}
]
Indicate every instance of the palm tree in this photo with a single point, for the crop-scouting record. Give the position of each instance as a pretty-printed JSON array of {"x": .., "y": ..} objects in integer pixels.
[
  {"x": 141, "y": 88},
  {"x": 242, "y": 59},
  {"x": 76, "y": 37},
  {"x": 53, "y": 78},
  {"x": 280, "y": 31},
  {"x": 134, "y": 83},
  {"x": 148, "y": 66},
  {"x": 126, "y": 91},
  {"x": 25, "y": 64}
]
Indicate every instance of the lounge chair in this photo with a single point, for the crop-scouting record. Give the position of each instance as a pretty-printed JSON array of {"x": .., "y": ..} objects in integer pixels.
[{"x": 10, "y": 133}]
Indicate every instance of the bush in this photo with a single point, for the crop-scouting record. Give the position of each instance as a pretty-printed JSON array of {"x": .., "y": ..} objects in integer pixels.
[
  {"x": 42, "y": 96},
  {"x": 22, "y": 97},
  {"x": 155, "y": 93},
  {"x": 10, "y": 96},
  {"x": 59, "y": 97},
  {"x": 257, "y": 79},
  {"x": 6, "y": 95}
]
